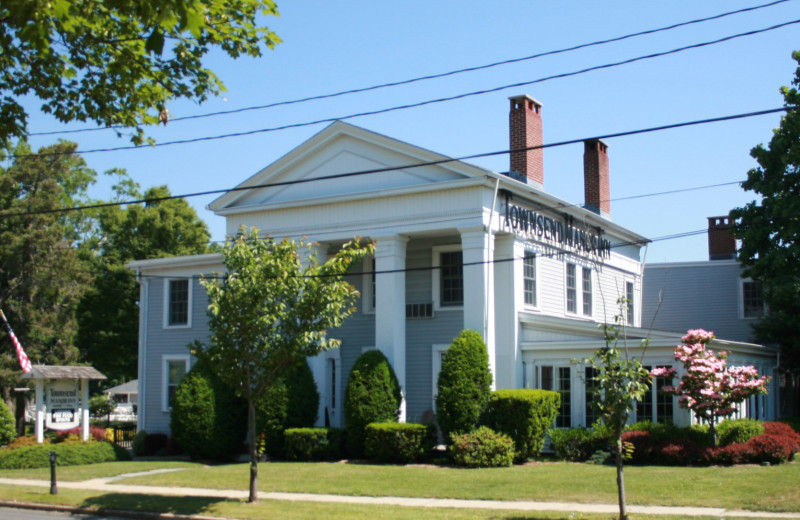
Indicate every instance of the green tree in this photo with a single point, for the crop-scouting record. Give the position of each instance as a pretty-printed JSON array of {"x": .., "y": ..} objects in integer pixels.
[
  {"x": 118, "y": 62},
  {"x": 41, "y": 274},
  {"x": 619, "y": 381},
  {"x": 464, "y": 384},
  {"x": 768, "y": 229},
  {"x": 108, "y": 314},
  {"x": 270, "y": 311},
  {"x": 372, "y": 395}
]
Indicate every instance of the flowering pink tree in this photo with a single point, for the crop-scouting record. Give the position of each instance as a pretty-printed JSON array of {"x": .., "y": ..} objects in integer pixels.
[{"x": 710, "y": 388}]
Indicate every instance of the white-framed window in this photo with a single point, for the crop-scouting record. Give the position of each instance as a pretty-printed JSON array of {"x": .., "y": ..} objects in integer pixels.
[
  {"x": 437, "y": 355},
  {"x": 752, "y": 299},
  {"x": 629, "y": 302},
  {"x": 178, "y": 303},
  {"x": 529, "y": 277},
  {"x": 558, "y": 379},
  {"x": 587, "y": 291},
  {"x": 591, "y": 413},
  {"x": 368, "y": 291},
  {"x": 572, "y": 289},
  {"x": 656, "y": 406},
  {"x": 174, "y": 368},
  {"x": 448, "y": 277}
]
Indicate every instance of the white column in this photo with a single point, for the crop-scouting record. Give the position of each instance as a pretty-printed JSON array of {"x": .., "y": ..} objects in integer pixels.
[
  {"x": 39, "y": 411},
  {"x": 477, "y": 246},
  {"x": 390, "y": 306},
  {"x": 85, "y": 409},
  {"x": 509, "y": 300},
  {"x": 317, "y": 363}
]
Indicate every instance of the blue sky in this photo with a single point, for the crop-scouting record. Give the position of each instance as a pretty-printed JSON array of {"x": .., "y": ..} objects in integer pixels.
[{"x": 334, "y": 46}]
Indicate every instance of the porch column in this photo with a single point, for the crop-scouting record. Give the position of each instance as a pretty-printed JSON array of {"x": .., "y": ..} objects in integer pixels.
[
  {"x": 509, "y": 300},
  {"x": 390, "y": 306},
  {"x": 477, "y": 246}
]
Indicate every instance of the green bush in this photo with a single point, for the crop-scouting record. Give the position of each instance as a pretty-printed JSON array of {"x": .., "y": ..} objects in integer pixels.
[
  {"x": 699, "y": 434},
  {"x": 737, "y": 431},
  {"x": 8, "y": 426},
  {"x": 68, "y": 454},
  {"x": 576, "y": 444},
  {"x": 309, "y": 444},
  {"x": 137, "y": 444},
  {"x": 399, "y": 442},
  {"x": 482, "y": 448},
  {"x": 291, "y": 403},
  {"x": 523, "y": 415},
  {"x": 207, "y": 420},
  {"x": 372, "y": 395},
  {"x": 794, "y": 422},
  {"x": 464, "y": 384},
  {"x": 101, "y": 406}
]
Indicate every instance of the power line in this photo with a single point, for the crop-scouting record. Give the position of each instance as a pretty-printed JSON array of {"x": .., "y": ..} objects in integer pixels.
[
  {"x": 427, "y": 102},
  {"x": 443, "y": 74},
  {"x": 394, "y": 168}
]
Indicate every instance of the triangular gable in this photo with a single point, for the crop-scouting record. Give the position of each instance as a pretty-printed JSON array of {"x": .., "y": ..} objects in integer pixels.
[{"x": 342, "y": 148}]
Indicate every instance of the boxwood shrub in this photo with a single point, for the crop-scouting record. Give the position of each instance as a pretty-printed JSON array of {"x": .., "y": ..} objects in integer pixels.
[
  {"x": 399, "y": 442},
  {"x": 312, "y": 444},
  {"x": 464, "y": 384},
  {"x": 482, "y": 448},
  {"x": 736, "y": 431},
  {"x": 576, "y": 444},
  {"x": 8, "y": 426},
  {"x": 525, "y": 416},
  {"x": 67, "y": 455},
  {"x": 372, "y": 395}
]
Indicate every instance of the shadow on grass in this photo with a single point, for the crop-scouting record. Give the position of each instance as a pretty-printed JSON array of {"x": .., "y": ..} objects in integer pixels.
[{"x": 154, "y": 503}]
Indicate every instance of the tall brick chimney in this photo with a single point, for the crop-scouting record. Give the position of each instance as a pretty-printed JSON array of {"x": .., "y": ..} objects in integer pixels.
[
  {"x": 525, "y": 130},
  {"x": 596, "y": 183},
  {"x": 721, "y": 242}
]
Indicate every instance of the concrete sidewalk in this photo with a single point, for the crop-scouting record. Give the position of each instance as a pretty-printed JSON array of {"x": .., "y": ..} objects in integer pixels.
[{"x": 108, "y": 485}]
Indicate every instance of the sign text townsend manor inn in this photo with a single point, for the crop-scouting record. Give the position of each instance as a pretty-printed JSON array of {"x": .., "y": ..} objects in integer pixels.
[{"x": 532, "y": 224}]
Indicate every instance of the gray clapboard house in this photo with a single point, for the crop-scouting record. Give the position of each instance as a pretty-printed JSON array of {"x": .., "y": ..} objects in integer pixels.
[{"x": 457, "y": 246}]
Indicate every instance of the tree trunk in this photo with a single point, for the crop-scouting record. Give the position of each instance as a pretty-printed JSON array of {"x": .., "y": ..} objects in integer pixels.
[
  {"x": 623, "y": 509},
  {"x": 251, "y": 428},
  {"x": 712, "y": 428}
]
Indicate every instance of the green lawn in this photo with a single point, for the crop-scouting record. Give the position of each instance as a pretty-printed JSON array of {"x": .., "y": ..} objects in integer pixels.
[{"x": 772, "y": 488}]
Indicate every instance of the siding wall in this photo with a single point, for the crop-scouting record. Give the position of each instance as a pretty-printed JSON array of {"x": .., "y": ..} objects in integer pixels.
[{"x": 696, "y": 295}]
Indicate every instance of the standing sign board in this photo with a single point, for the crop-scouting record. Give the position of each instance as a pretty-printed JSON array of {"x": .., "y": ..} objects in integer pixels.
[{"x": 62, "y": 402}]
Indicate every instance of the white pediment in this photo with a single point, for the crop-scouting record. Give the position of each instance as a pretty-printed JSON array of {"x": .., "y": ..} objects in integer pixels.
[{"x": 331, "y": 163}]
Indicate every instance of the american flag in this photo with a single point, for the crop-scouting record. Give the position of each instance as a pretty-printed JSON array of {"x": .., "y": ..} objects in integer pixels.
[{"x": 24, "y": 362}]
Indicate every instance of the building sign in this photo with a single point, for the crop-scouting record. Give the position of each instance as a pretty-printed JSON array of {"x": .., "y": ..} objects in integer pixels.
[
  {"x": 562, "y": 232},
  {"x": 63, "y": 405}
]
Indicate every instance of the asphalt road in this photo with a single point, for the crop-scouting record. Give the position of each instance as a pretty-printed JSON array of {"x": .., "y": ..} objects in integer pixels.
[{"x": 7, "y": 513}]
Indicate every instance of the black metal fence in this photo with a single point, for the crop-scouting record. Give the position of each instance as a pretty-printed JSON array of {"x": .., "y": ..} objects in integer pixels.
[{"x": 123, "y": 435}]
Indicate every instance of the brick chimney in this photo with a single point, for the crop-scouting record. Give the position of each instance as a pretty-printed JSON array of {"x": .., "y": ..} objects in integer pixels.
[
  {"x": 525, "y": 130},
  {"x": 721, "y": 242},
  {"x": 596, "y": 183}
]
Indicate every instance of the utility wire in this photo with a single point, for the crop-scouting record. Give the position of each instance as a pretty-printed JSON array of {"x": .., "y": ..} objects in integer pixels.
[
  {"x": 394, "y": 168},
  {"x": 427, "y": 102},
  {"x": 439, "y": 75}
]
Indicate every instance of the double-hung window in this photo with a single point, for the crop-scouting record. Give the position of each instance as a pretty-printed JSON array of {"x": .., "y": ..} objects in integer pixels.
[
  {"x": 587, "y": 291},
  {"x": 752, "y": 299},
  {"x": 572, "y": 288},
  {"x": 451, "y": 277},
  {"x": 178, "y": 303},
  {"x": 529, "y": 275},
  {"x": 629, "y": 302},
  {"x": 174, "y": 369}
]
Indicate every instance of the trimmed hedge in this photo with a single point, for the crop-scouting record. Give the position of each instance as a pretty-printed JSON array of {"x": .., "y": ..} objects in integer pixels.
[
  {"x": 291, "y": 403},
  {"x": 737, "y": 431},
  {"x": 68, "y": 455},
  {"x": 523, "y": 415},
  {"x": 207, "y": 420},
  {"x": 576, "y": 444},
  {"x": 313, "y": 444},
  {"x": 464, "y": 384},
  {"x": 372, "y": 395},
  {"x": 399, "y": 442},
  {"x": 482, "y": 448}
]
